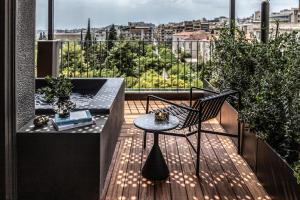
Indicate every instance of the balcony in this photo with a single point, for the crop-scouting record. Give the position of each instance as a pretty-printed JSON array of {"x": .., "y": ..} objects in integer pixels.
[
  {"x": 168, "y": 69},
  {"x": 104, "y": 160}
]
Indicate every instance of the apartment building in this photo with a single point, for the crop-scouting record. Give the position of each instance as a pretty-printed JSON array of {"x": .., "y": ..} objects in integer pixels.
[
  {"x": 253, "y": 30},
  {"x": 138, "y": 31},
  {"x": 165, "y": 32},
  {"x": 283, "y": 16},
  {"x": 286, "y": 16},
  {"x": 194, "y": 44}
]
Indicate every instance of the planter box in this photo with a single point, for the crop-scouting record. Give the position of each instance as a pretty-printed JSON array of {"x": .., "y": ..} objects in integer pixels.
[
  {"x": 273, "y": 172},
  {"x": 277, "y": 175},
  {"x": 249, "y": 147},
  {"x": 71, "y": 164}
]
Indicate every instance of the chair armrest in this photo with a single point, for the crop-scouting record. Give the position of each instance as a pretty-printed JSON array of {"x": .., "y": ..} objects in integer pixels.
[
  {"x": 202, "y": 89},
  {"x": 206, "y": 90},
  {"x": 234, "y": 94},
  {"x": 168, "y": 102}
]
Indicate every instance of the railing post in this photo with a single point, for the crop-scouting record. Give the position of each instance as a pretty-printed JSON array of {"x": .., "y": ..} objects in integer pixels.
[
  {"x": 48, "y": 50},
  {"x": 265, "y": 21},
  {"x": 232, "y": 16},
  {"x": 50, "y": 19},
  {"x": 48, "y": 58}
]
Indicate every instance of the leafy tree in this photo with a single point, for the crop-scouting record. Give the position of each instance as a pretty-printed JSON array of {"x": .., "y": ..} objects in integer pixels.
[
  {"x": 297, "y": 171},
  {"x": 122, "y": 56},
  {"x": 97, "y": 56},
  {"x": 112, "y": 37},
  {"x": 91, "y": 56},
  {"x": 88, "y": 36},
  {"x": 72, "y": 63},
  {"x": 132, "y": 60},
  {"x": 268, "y": 76}
]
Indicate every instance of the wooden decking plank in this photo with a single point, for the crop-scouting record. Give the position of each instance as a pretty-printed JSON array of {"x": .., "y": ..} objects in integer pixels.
[
  {"x": 191, "y": 181},
  {"x": 110, "y": 171},
  {"x": 118, "y": 180},
  {"x": 233, "y": 176},
  {"x": 206, "y": 178},
  {"x": 220, "y": 166},
  {"x": 219, "y": 176},
  {"x": 255, "y": 188},
  {"x": 163, "y": 188},
  {"x": 133, "y": 175},
  {"x": 127, "y": 108},
  {"x": 128, "y": 130},
  {"x": 178, "y": 190},
  {"x": 140, "y": 107},
  {"x": 146, "y": 188}
]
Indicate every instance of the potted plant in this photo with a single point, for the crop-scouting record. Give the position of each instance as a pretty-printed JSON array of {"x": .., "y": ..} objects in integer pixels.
[{"x": 58, "y": 92}]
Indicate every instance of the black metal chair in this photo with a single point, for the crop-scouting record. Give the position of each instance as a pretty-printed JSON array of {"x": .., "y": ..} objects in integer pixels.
[{"x": 202, "y": 110}]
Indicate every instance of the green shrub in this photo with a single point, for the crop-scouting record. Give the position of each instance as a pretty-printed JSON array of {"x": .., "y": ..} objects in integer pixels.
[
  {"x": 297, "y": 171},
  {"x": 57, "y": 87},
  {"x": 268, "y": 76}
]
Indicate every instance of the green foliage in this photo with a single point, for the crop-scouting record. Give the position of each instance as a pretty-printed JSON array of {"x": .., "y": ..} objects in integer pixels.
[
  {"x": 72, "y": 61},
  {"x": 151, "y": 79},
  {"x": 268, "y": 75},
  {"x": 88, "y": 36},
  {"x": 112, "y": 36},
  {"x": 60, "y": 87},
  {"x": 131, "y": 60},
  {"x": 122, "y": 57},
  {"x": 297, "y": 171}
]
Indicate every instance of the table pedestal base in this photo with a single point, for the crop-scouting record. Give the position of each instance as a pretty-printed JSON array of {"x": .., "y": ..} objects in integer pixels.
[{"x": 155, "y": 167}]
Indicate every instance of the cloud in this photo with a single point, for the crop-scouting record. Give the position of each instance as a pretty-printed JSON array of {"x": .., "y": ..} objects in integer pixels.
[{"x": 74, "y": 13}]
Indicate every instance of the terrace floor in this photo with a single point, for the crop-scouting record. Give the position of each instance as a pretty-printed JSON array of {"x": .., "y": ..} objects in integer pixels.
[{"x": 224, "y": 174}]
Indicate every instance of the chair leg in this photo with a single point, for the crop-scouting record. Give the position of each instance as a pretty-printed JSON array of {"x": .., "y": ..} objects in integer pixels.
[
  {"x": 198, "y": 151},
  {"x": 145, "y": 139}
]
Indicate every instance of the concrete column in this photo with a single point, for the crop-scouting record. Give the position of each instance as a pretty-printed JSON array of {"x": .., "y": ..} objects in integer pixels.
[
  {"x": 25, "y": 73},
  {"x": 48, "y": 58},
  {"x": 50, "y": 19},
  {"x": 232, "y": 16},
  {"x": 265, "y": 21}
]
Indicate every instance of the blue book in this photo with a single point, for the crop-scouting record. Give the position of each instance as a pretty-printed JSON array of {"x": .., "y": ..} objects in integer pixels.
[
  {"x": 71, "y": 126},
  {"x": 74, "y": 118}
]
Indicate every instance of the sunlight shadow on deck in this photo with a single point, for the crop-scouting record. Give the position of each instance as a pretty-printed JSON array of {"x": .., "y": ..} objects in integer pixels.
[{"x": 223, "y": 173}]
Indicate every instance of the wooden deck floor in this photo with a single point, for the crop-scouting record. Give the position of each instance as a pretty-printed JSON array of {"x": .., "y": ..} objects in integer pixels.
[{"x": 224, "y": 174}]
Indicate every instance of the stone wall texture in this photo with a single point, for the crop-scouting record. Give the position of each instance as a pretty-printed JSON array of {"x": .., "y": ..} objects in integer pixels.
[{"x": 25, "y": 72}]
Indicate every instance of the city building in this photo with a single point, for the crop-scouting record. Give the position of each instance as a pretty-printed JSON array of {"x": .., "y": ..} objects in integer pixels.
[
  {"x": 195, "y": 45},
  {"x": 286, "y": 16},
  {"x": 137, "y": 31},
  {"x": 69, "y": 36},
  {"x": 165, "y": 32},
  {"x": 253, "y": 30}
]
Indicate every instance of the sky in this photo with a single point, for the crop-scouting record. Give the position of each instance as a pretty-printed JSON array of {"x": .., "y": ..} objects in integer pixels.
[{"x": 74, "y": 13}]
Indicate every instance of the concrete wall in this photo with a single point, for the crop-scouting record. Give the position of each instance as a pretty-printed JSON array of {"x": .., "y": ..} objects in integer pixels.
[{"x": 25, "y": 75}]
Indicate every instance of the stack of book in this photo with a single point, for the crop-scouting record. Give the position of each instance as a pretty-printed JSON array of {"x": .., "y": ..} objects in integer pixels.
[{"x": 74, "y": 120}]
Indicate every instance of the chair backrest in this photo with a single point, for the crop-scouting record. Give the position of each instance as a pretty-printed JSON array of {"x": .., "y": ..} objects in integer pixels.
[{"x": 210, "y": 107}]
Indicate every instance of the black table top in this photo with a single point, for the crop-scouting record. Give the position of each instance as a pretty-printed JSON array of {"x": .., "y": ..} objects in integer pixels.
[{"x": 147, "y": 122}]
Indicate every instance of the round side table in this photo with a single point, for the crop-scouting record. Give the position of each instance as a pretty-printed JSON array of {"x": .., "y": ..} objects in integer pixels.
[{"x": 155, "y": 167}]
